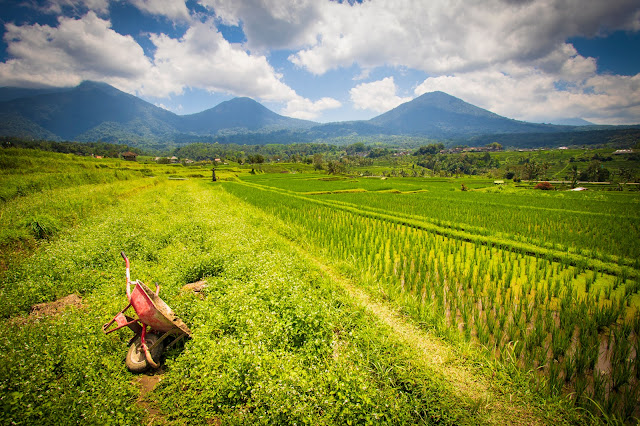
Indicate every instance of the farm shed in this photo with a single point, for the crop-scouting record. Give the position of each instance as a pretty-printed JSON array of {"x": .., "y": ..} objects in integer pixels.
[{"x": 129, "y": 156}]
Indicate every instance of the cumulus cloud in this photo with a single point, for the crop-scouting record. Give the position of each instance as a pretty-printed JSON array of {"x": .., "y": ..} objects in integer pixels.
[
  {"x": 533, "y": 95},
  {"x": 175, "y": 10},
  {"x": 441, "y": 36},
  {"x": 75, "y": 50},
  {"x": 203, "y": 58},
  {"x": 88, "y": 49},
  {"x": 378, "y": 96},
  {"x": 510, "y": 56},
  {"x": 79, "y": 6},
  {"x": 306, "y": 109},
  {"x": 271, "y": 24}
]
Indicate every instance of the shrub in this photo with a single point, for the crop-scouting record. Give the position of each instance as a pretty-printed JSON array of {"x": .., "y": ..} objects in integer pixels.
[{"x": 544, "y": 186}]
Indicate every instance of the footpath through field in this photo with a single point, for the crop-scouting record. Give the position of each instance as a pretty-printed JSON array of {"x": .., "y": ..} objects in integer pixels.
[{"x": 434, "y": 354}]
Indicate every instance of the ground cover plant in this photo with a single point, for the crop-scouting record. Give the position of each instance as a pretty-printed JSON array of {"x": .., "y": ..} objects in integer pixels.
[
  {"x": 573, "y": 318},
  {"x": 274, "y": 341},
  {"x": 279, "y": 338}
]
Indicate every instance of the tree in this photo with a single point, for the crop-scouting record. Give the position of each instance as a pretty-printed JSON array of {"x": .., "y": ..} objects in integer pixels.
[
  {"x": 574, "y": 176},
  {"x": 378, "y": 152},
  {"x": 494, "y": 145},
  {"x": 255, "y": 159},
  {"x": 317, "y": 161},
  {"x": 595, "y": 172},
  {"x": 356, "y": 147},
  {"x": 531, "y": 170},
  {"x": 335, "y": 167},
  {"x": 432, "y": 148},
  {"x": 626, "y": 174}
]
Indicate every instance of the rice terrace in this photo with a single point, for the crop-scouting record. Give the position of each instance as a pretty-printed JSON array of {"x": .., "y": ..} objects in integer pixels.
[
  {"x": 319, "y": 212},
  {"x": 342, "y": 298}
]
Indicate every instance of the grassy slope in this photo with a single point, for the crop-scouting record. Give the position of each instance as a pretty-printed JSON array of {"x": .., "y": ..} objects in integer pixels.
[
  {"x": 313, "y": 356},
  {"x": 273, "y": 202},
  {"x": 321, "y": 352}
]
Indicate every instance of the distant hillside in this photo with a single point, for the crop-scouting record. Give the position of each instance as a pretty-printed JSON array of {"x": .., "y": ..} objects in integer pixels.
[
  {"x": 618, "y": 137},
  {"x": 10, "y": 93},
  {"x": 571, "y": 122},
  {"x": 99, "y": 112},
  {"x": 92, "y": 111},
  {"x": 439, "y": 115},
  {"x": 239, "y": 114}
]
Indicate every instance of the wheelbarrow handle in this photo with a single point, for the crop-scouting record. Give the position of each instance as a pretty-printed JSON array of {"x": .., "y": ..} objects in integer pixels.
[{"x": 126, "y": 262}]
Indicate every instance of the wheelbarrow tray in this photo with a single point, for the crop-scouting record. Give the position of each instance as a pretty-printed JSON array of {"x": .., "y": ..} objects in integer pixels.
[{"x": 154, "y": 312}]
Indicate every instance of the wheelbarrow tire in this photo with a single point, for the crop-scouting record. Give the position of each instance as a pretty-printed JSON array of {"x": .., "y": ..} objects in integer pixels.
[{"x": 136, "y": 362}]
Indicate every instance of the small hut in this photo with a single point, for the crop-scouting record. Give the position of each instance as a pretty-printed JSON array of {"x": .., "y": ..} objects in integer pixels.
[{"x": 129, "y": 156}]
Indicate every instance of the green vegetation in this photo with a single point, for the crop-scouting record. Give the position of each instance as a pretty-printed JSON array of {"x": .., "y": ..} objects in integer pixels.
[
  {"x": 523, "y": 300},
  {"x": 329, "y": 299}
]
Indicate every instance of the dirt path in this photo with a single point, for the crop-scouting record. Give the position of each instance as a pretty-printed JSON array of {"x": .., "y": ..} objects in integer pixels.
[
  {"x": 433, "y": 353},
  {"x": 147, "y": 382}
]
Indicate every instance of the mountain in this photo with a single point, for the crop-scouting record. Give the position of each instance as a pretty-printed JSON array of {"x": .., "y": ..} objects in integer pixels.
[
  {"x": 90, "y": 111},
  {"x": 10, "y": 93},
  {"x": 239, "y": 114},
  {"x": 571, "y": 122},
  {"x": 99, "y": 112},
  {"x": 439, "y": 115}
]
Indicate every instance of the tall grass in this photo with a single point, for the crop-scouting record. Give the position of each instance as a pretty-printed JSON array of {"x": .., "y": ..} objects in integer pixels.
[
  {"x": 450, "y": 283},
  {"x": 273, "y": 341}
]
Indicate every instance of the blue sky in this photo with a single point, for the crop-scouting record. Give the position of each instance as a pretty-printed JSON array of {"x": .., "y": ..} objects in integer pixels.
[{"x": 326, "y": 61}]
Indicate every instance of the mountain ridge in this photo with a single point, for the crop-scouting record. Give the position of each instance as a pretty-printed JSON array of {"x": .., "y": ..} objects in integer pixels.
[{"x": 94, "y": 111}]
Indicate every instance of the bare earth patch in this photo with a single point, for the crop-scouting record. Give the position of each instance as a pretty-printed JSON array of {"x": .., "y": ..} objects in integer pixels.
[
  {"x": 195, "y": 287},
  {"x": 54, "y": 308},
  {"x": 147, "y": 383},
  {"x": 45, "y": 310}
]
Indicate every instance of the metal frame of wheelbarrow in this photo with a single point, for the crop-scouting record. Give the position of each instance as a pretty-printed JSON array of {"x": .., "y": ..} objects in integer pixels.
[{"x": 152, "y": 312}]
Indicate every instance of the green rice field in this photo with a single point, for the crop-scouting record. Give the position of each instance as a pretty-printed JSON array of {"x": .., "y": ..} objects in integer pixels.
[{"x": 323, "y": 299}]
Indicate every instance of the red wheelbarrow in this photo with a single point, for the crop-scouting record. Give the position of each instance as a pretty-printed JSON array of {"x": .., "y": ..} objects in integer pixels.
[{"x": 146, "y": 346}]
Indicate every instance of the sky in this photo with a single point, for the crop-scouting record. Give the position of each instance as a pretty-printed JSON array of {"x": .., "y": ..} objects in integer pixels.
[{"x": 322, "y": 60}]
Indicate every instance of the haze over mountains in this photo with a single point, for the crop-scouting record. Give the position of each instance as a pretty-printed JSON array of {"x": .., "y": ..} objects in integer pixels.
[{"x": 99, "y": 112}]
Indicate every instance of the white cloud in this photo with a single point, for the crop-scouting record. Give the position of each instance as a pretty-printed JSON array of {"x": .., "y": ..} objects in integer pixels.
[
  {"x": 442, "y": 36},
  {"x": 378, "y": 96},
  {"x": 519, "y": 46},
  {"x": 79, "y": 6},
  {"x": 533, "y": 95},
  {"x": 75, "y": 50},
  {"x": 509, "y": 56},
  {"x": 173, "y": 9},
  {"x": 88, "y": 49},
  {"x": 202, "y": 58},
  {"x": 271, "y": 24},
  {"x": 308, "y": 110}
]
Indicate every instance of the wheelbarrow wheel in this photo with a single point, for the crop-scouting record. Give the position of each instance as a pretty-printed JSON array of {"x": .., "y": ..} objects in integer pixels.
[{"x": 136, "y": 362}]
